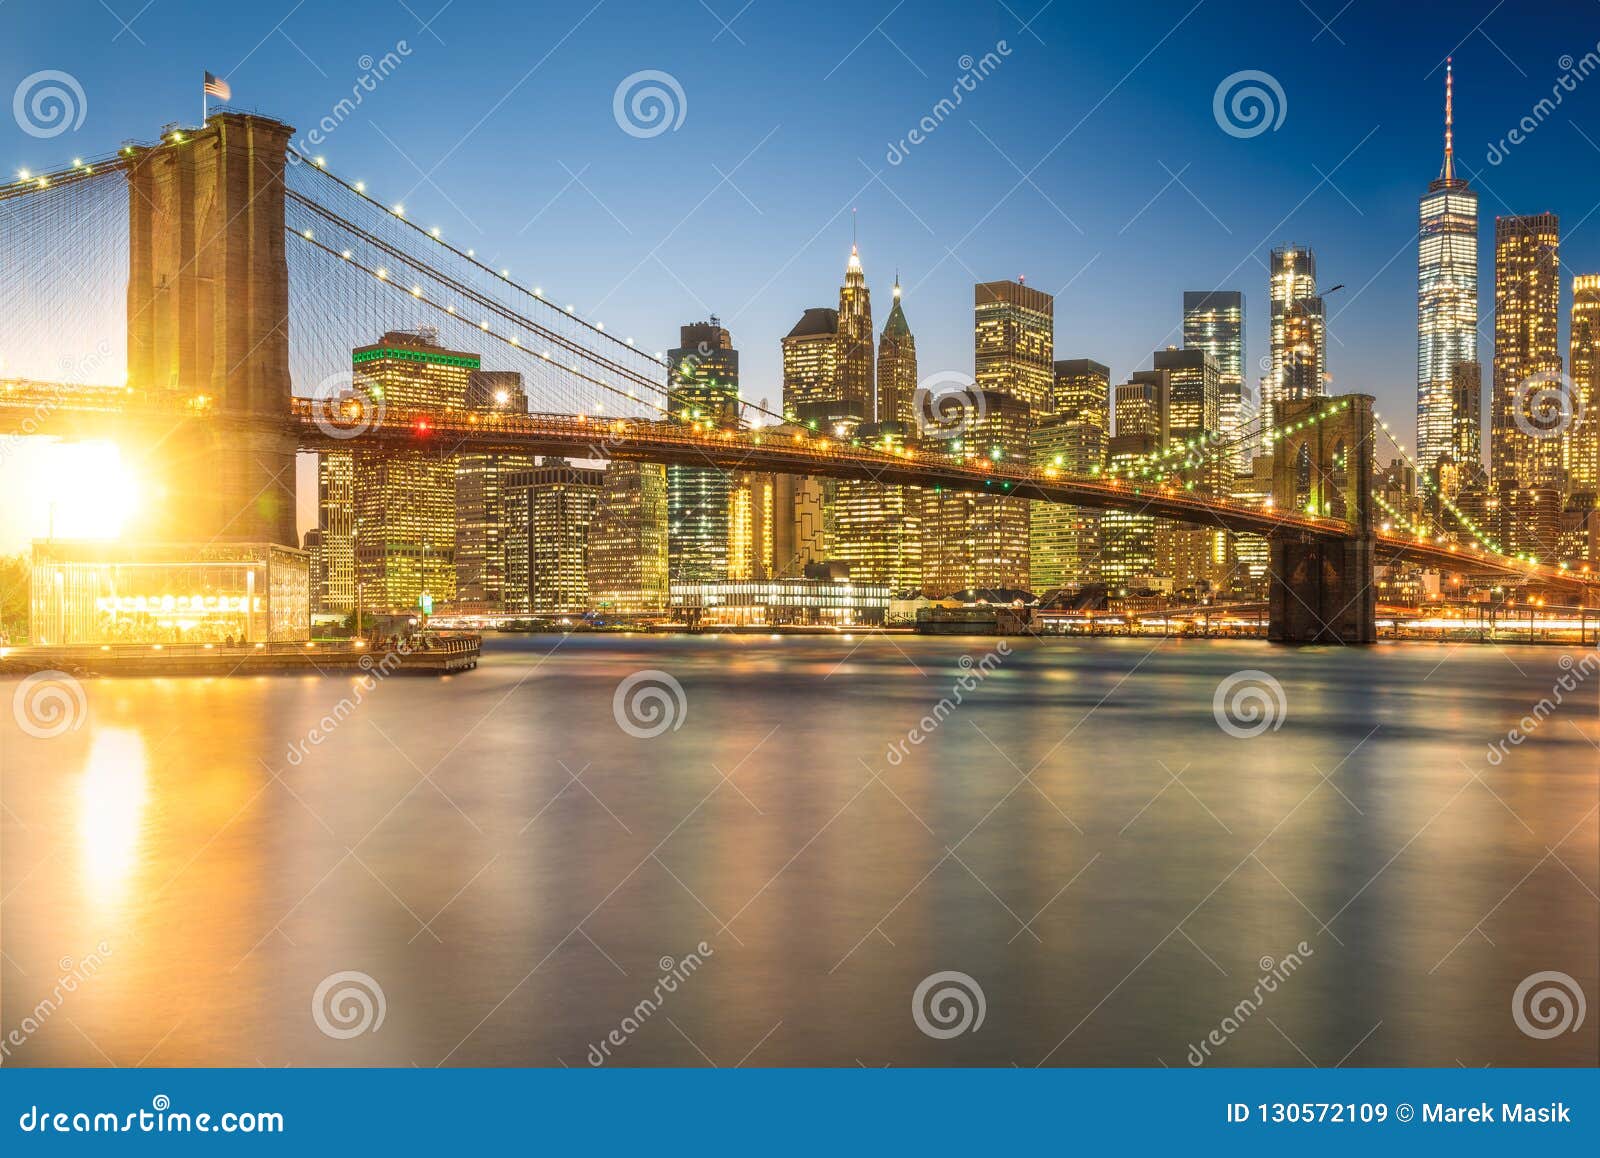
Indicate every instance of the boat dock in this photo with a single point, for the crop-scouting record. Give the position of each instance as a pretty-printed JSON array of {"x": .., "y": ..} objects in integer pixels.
[{"x": 435, "y": 654}]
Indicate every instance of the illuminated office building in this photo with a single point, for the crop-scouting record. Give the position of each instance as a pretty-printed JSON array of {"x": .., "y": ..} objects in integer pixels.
[
  {"x": 810, "y": 360},
  {"x": 549, "y": 512},
  {"x": 1082, "y": 391},
  {"x": 1527, "y": 289},
  {"x": 1213, "y": 321},
  {"x": 1143, "y": 406},
  {"x": 1447, "y": 300},
  {"x": 1064, "y": 540},
  {"x": 1013, "y": 334},
  {"x": 1299, "y": 364},
  {"x": 703, "y": 372},
  {"x": 854, "y": 365},
  {"x": 404, "y": 500},
  {"x": 335, "y": 560},
  {"x": 1533, "y": 522},
  {"x": 971, "y": 540},
  {"x": 627, "y": 562},
  {"x": 1194, "y": 417},
  {"x": 897, "y": 370},
  {"x": 480, "y": 495},
  {"x": 1466, "y": 420},
  {"x": 1128, "y": 538},
  {"x": 877, "y": 528},
  {"x": 1583, "y": 439},
  {"x": 776, "y": 528}
]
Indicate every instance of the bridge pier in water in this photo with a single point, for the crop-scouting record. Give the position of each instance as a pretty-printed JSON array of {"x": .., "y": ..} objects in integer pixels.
[
  {"x": 208, "y": 321},
  {"x": 1322, "y": 590}
]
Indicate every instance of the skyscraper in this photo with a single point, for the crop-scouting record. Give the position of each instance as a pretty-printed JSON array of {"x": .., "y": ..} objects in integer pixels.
[
  {"x": 404, "y": 500},
  {"x": 1014, "y": 342},
  {"x": 1447, "y": 298},
  {"x": 550, "y": 509},
  {"x": 1193, "y": 417},
  {"x": 627, "y": 561},
  {"x": 336, "y": 517},
  {"x": 877, "y": 528},
  {"x": 1299, "y": 332},
  {"x": 1213, "y": 321},
  {"x": 1583, "y": 439},
  {"x": 1466, "y": 421},
  {"x": 979, "y": 541},
  {"x": 704, "y": 375},
  {"x": 1128, "y": 539},
  {"x": 1064, "y": 540},
  {"x": 856, "y": 379},
  {"x": 480, "y": 494},
  {"x": 897, "y": 370},
  {"x": 810, "y": 360},
  {"x": 1527, "y": 291}
]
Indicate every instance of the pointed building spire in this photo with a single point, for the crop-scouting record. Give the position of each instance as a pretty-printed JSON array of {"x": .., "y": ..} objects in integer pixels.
[{"x": 1448, "y": 172}]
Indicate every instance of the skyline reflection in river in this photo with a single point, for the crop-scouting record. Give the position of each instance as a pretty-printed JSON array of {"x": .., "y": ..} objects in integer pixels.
[{"x": 520, "y": 865}]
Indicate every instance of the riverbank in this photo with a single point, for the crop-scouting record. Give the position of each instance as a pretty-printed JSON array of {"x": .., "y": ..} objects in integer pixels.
[{"x": 439, "y": 655}]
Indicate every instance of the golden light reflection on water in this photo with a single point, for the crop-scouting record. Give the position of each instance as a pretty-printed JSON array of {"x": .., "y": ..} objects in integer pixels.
[{"x": 112, "y": 794}]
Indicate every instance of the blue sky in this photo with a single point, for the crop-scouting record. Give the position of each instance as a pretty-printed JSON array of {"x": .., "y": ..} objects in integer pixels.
[{"x": 1089, "y": 160}]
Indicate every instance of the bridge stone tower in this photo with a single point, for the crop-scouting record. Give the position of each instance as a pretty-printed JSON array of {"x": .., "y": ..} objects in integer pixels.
[
  {"x": 1322, "y": 589},
  {"x": 208, "y": 321}
]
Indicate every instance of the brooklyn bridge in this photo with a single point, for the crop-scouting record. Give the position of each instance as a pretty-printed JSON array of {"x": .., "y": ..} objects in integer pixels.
[{"x": 244, "y": 272}]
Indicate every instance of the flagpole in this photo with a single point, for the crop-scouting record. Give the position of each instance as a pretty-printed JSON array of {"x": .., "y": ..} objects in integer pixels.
[{"x": 205, "y": 102}]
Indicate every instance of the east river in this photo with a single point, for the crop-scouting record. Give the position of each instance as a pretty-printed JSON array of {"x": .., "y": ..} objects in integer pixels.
[{"x": 801, "y": 850}]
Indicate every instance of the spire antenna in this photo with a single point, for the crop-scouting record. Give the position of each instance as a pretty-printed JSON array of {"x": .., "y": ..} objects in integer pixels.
[{"x": 1448, "y": 173}]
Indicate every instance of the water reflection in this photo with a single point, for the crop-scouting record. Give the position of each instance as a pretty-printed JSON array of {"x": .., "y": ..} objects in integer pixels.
[
  {"x": 510, "y": 867},
  {"x": 112, "y": 792}
]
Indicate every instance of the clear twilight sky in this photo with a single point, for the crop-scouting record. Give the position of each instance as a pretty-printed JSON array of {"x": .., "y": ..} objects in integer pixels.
[{"x": 1089, "y": 160}]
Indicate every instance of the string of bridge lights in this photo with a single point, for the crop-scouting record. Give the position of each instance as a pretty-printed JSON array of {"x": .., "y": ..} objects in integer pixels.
[
  {"x": 381, "y": 275},
  {"x": 1427, "y": 483},
  {"x": 398, "y": 211}
]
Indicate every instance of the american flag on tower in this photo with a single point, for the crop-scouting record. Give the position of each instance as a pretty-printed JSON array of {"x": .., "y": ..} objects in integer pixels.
[{"x": 217, "y": 87}]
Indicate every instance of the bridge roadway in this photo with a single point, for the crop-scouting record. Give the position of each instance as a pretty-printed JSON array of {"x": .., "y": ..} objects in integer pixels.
[
  {"x": 80, "y": 411},
  {"x": 766, "y": 450}
]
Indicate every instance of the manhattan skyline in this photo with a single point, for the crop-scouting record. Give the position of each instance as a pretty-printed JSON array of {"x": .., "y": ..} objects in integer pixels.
[{"x": 524, "y": 156}]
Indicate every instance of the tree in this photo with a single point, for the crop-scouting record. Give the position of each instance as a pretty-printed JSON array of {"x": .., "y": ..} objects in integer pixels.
[{"x": 15, "y": 584}]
